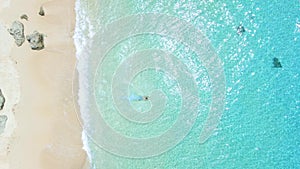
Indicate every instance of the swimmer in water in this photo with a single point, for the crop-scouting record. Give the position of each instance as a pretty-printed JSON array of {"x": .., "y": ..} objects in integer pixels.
[
  {"x": 146, "y": 98},
  {"x": 138, "y": 98}
]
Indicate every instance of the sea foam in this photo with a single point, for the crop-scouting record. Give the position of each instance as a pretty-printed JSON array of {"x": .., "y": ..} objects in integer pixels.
[{"x": 83, "y": 34}]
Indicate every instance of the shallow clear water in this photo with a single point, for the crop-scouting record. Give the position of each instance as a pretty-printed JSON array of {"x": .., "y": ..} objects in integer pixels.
[{"x": 260, "y": 118}]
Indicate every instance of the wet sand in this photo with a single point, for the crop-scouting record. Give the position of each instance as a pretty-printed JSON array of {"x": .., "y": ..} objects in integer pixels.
[{"x": 42, "y": 131}]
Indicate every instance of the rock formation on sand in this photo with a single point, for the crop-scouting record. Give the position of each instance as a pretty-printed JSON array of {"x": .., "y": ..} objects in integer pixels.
[
  {"x": 2, "y": 100},
  {"x": 36, "y": 40},
  {"x": 42, "y": 12},
  {"x": 3, "y": 119},
  {"x": 24, "y": 16},
  {"x": 17, "y": 31}
]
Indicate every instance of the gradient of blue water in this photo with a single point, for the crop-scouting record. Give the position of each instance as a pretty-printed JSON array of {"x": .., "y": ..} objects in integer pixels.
[
  {"x": 261, "y": 123},
  {"x": 259, "y": 129}
]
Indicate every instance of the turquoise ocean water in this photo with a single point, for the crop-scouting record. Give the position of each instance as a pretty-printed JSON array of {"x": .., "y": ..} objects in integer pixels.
[{"x": 260, "y": 122}]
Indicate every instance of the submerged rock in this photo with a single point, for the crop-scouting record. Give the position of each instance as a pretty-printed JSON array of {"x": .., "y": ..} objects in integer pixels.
[
  {"x": 17, "y": 31},
  {"x": 42, "y": 12},
  {"x": 276, "y": 63},
  {"x": 2, "y": 100},
  {"x": 24, "y": 16},
  {"x": 240, "y": 29},
  {"x": 3, "y": 120},
  {"x": 36, "y": 40}
]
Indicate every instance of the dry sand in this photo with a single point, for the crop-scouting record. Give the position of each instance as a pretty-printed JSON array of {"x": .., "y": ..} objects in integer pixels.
[{"x": 42, "y": 131}]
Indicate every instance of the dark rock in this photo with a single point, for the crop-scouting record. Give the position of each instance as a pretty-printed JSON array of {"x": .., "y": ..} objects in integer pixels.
[
  {"x": 276, "y": 63},
  {"x": 240, "y": 29},
  {"x": 17, "y": 31},
  {"x": 2, "y": 100},
  {"x": 24, "y": 16},
  {"x": 42, "y": 12},
  {"x": 36, "y": 40},
  {"x": 3, "y": 120}
]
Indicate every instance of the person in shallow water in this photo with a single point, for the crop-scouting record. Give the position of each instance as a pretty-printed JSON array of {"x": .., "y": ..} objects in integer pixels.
[
  {"x": 134, "y": 97},
  {"x": 145, "y": 98}
]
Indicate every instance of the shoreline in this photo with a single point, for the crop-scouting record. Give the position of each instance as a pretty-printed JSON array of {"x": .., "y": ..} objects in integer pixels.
[{"x": 47, "y": 133}]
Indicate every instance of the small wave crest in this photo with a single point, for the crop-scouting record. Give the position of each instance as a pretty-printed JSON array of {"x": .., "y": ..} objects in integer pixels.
[{"x": 83, "y": 33}]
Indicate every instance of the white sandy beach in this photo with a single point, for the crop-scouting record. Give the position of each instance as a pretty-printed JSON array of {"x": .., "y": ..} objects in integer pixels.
[{"x": 42, "y": 131}]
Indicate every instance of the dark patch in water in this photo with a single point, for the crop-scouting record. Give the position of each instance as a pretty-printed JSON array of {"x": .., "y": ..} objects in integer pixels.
[
  {"x": 240, "y": 29},
  {"x": 276, "y": 63}
]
